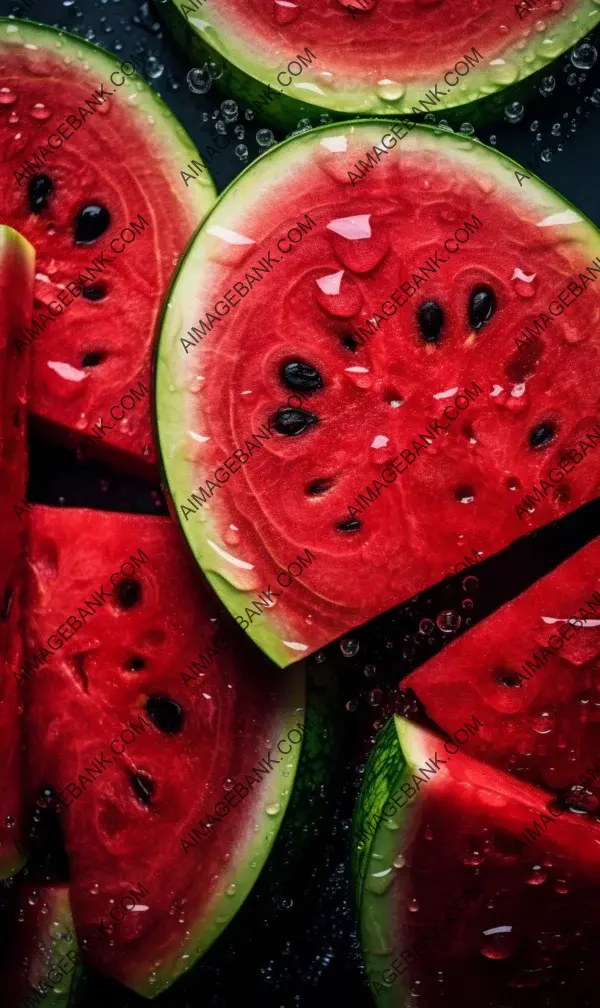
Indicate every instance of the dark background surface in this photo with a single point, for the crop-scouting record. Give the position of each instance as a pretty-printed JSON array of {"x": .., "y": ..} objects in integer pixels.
[{"x": 294, "y": 942}]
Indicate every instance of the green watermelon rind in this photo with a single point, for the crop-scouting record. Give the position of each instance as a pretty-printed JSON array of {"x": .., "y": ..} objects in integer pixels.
[
  {"x": 200, "y": 278},
  {"x": 63, "y": 993},
  {"x": 397, "y": 754},
  {"x": 255, "y": 841},
  {"x": 206, "y": 34},
  {"x": 169, "y": 134}
]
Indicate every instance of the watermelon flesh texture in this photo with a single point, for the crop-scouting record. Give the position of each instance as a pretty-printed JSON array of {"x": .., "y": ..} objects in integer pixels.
[
  {"x": 41, "y": 958},
  {"x": 500, "y": 925},
  {"x": 124, "y": 161},
  {"x": 16, "y": 297},
  {"x": 362, "y": 56},
  {"x": 370, "y": 401},
  {"x": 540, "y": 721},
  {"x": 123, "y": 832}
]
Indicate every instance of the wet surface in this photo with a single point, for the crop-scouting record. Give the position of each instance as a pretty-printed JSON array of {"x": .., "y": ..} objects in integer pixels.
[{"x": 294, "y": 942}]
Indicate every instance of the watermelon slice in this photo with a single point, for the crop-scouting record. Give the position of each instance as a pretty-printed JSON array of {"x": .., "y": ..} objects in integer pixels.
[
  {"x": 16, "y": 297},
  {"x": 532, "y": 679},
  {"x": 42, "y": 967},
  {"x": 91, "y": 176},
  {"x": 147, "y": 722},
  {"x": 361, "y": 56},
  {"x": 326, "y": 339},
  {"x": 457, "y": 908}
]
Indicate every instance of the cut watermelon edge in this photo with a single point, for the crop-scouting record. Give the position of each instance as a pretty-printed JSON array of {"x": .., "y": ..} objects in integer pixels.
[{"x": 199, "y": 275}]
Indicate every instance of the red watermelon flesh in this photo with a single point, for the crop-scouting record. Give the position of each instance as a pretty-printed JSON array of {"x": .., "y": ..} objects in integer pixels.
[
  {"x": 16, "y": 297},
  {"x": 369, "y": 401},
  {"x": 369, "y": 57},
  {"x": 123, "y": 831},
  {"x": 473, "y": 913},
  {"x": 540, "y": 720},
  {"x": 71, "y": 198}
]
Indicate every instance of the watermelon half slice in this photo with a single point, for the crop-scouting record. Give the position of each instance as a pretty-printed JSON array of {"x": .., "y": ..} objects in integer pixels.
[
  {"x": 91, "y": 176},
  {"x": 532, "y": 678},
  {"x": 363, "y": 56},
  {"x": 455, "y": 907},
  {"x": 147, "y": 723},
  {"x": 16, "y": 297},
  {"x": 345, "y": 391}
]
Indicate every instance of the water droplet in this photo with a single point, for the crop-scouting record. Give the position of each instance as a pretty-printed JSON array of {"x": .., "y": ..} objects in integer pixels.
[
  {"x": 40, "y": 111},
  {"x": 349, "y": 647},
  {"x": 547, "y": 85},
  {"x": 273, "y": 809},
  {"x": 467, "y": 603},
  {"x": 199, "y": 81},
  {"x": 239, "y": 131},
  {"x": 426, "y": 626},
  {"x": 399, "y": 861},
  {"x": 154, "y": 68},
  {"x": 9, "y": 822},
  {"x": 95, "y": 888},
  {"x": 572, "y": 80},
  {"x": 231, "y": 890},
  {"x": 351, "y": 706},
  {"x": 370, "y": 670},
  {"x": 448, "y": 621},
  {"x": 514, "y": 112},
  {"x": 467, "y": 129},
  {"x": 534, "y": 126},
  {"x": 499, "y": 946},
  {"x": 537, "y": 876},
  {"x": 555, "y": 129},
  {"x": 413, "y": 906},
  {"x": 583, "y": 56},
  {"x": 241, "y": 152},
  {"x": 375, "y": 697},
  {"x": 543, "y": 722},
  {"x": 546, "y": 155},
  {"x": 265, "y": 138},
  {"x": 595, "y": 96},
  {"x": 249, "y": 114},
  {"x": 493, "y": 139},
  {"x": 33, "y": 897},
  {"x": 7, "y": 97},
  {"x": 228, "y": 783}
]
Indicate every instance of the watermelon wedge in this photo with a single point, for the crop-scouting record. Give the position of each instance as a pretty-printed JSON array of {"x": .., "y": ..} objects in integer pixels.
[
  {"x": 16, "y": 297},
  {"x": 150, "y": 723},
  {"x": 457, "y": 908},
  {"x": 532, "y": 679},
  {"x": 340, "y": 360},
  {"x": 41, "y": 966},
  {"x": 363, "y": 56},
  {"x": 91, "y": 176}
]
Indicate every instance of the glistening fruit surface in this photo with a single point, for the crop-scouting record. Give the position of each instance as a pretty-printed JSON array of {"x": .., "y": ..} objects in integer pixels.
[{"x": 399, "y": 291}]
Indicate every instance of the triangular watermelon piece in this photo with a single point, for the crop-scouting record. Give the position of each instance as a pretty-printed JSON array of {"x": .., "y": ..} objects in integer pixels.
[
  {"x": 531, "y": 677},
  {"x": 91, "y": 176},
  {"x": 474, "y": 888},
  {"x": 16, "y": 297},
  {"x": 156, "y": 726},
  {"x": 370, "y": 394}
]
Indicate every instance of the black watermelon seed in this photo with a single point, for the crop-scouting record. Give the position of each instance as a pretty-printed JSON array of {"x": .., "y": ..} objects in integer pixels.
[
  {"x": 301, "y": 376},
  {"x": 482, "y": 305},
  {"x": 319, "y": 486},
  {"x": 143, "y": 787},
  {"x": 542, "y": 435},
  {"x": 94, "y": 293},
  {"x": 350, "y": 525},
  {"x": 93, "y": 359},
  {"x": 40, "y": 189},
  {"x": 350, "y": 343},
  {"x": 135, "y": 664},
  {"x": 166, "y": 714},
  {"x": 6, "y": 602},
  {"x": 430, "y": 317},
  {"x": 91, "y": 222},
  {"x": 293, "y": 421},
  {"x": 130, "y": 593},
  {"x": 509, "y": 679}
]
